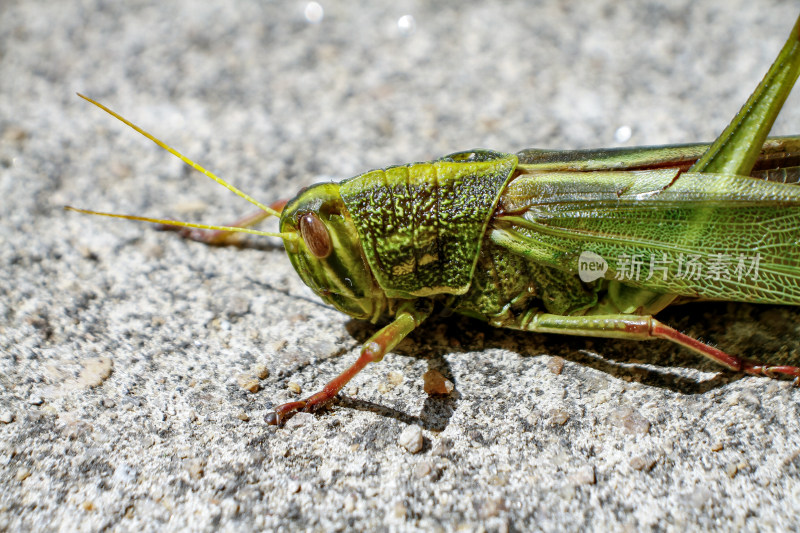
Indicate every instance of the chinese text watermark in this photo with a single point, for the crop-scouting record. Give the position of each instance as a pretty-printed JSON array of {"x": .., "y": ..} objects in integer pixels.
[{"x": 643, "y": 267}]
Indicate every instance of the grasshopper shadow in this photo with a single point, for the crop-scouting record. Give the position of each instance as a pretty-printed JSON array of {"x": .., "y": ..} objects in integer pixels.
[
  {"x": 437, "y": 409},
  {"x": 763, "y": 333}
]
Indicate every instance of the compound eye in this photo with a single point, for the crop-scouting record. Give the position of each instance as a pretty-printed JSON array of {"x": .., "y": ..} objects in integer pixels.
[{"x": 315, "y": 235}]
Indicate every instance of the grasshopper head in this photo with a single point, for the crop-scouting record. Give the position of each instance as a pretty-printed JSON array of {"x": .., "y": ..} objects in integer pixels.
[{"x": 328, "y": 255}]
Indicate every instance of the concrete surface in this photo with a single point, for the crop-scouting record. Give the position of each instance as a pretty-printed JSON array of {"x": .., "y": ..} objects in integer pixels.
[{"x": 129, "y": 356}]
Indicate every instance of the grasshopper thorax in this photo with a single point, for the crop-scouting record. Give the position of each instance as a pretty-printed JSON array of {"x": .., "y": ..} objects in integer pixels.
[{"x": 328, "y": 255}]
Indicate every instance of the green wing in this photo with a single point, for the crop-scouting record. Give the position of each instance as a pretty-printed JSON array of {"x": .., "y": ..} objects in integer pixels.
[
  {"x": 703, "y": 235},
  {"x": 779, "y": 159},
  {"x": 697, "y": 227}
]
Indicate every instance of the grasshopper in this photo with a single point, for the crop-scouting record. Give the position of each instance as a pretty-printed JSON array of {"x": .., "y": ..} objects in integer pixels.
[{"x": 586, "y": 242}]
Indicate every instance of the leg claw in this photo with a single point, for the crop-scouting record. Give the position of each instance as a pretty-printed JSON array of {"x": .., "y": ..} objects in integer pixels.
[{"x": 285, "y": 411}]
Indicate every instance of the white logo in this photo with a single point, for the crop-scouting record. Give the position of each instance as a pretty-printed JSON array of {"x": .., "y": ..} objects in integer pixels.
[{"x": 591, "y": 266}]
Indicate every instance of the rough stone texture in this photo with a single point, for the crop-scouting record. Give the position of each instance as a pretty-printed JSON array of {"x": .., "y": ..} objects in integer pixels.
[{"x": 163, "y": 437}]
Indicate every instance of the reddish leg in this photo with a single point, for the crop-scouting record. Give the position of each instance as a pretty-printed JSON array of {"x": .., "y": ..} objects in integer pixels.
[
  {"x": 734, "y": 363},
  {"x": 635, "y": 327},
  {"x": 407, "y": 318}
]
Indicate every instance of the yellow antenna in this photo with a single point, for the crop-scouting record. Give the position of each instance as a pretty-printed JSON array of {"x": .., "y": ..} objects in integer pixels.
[
  {"x": 289, "y": 236},
  {"x": 269, "y": 210}
]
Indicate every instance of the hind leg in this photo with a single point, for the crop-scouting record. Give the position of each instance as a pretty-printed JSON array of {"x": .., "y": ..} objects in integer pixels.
[{"x": 635, "y": 327}]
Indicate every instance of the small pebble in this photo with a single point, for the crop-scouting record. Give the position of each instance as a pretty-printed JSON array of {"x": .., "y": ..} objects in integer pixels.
[
  {"x": 558, "y": 417},
  {"x": 22, "y": 474},
  {"x": 629, "y": 420},
  {"x": 749, "y": 398},
  {"x": 738, "y": 398},
  {"x": 237, "y": 307},
  {"x": 196, "y": 468},
  {"x": 442, "y": 447},
  {"x": 76, "y": 429},
  {"x": 95, "y": 372},
  {"x": 280, "y": 345},
  {"x": 298, "y": 419},
  {"x": 643, "y": 463},
  {"x": 88, "y": 506},
  {"x": 436, "y": 383},
  {"x": 294, "y": 387},
  {"x": 261, "y": 371},
  {"x": 87, "y": 253},
  {"x": 241, "y": 415},
  {"x": 584, "y": 476},
  {"x": 248, "y": 383},
  {"x": 193, "y": 207},
  {"x": 717, "y": 446},
  {"x": 411, "y": 438},
  {"x": 731, "y": 470},
  {"x": 6, "y": 417},
  {"x": 154, "y": 251},
  {"x": 423, "y": 469},
  {"x": 35, "y": 400},
  {"x": 555, "y": 365},
  {"x": 668, "y": 447},
  {"x": 15, "y": 134},
  {"x": 394, "y": 378},
  {"x": 350, "y": 503}
]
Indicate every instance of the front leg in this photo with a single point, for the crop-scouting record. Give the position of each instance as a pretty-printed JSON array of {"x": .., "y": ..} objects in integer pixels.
[
  {"x": 409, "y": 315},
  {"x": 636, "y": 327},
  {"x": 221, "y": 237}
]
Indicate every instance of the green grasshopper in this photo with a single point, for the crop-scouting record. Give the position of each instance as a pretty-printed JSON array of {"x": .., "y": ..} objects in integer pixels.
[{"x": 591, "y": 242}]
